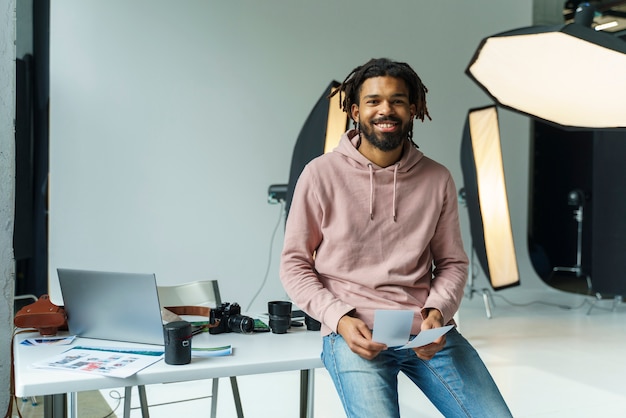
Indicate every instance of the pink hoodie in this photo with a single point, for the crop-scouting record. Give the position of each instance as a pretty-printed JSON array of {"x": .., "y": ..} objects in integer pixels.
[{"x": 360, "y": 237}]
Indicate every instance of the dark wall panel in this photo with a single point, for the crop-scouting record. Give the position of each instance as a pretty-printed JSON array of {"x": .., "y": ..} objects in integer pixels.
[
  {"x": 594, "y": 162},
  {"x": 609, "y": 216}
]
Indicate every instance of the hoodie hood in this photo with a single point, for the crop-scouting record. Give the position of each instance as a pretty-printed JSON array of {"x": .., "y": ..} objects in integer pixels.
[{"x": 348, "y": 147}]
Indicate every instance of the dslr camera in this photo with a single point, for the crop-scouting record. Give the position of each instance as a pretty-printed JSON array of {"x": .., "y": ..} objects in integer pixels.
[{"x": 229, "y": 319}]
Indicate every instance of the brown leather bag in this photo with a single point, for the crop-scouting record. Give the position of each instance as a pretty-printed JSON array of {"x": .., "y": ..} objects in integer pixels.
[{"x": 43, "y": 315}]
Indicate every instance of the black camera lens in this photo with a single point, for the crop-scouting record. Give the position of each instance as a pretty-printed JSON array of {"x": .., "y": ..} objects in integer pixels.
[
  {"x": 280, "y": 316},
  {"x": 280, "y": 324},
  {"x": 241, "y": 323}
]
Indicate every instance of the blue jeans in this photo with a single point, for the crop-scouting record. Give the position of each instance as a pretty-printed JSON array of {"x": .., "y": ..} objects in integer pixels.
[{"x": 456, "y": 380}]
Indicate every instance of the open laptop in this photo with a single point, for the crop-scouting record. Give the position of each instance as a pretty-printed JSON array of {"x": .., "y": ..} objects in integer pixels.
[{"x": 112, "y": 306}]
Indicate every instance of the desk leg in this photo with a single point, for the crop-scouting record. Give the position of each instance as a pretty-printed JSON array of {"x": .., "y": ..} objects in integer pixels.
[
  {"x": 235, "y": 387},
  {"x": 127, "y": 396},
  {"x": 143, "y": 401},
  {"x": 73, "y": 405},
  {"x": 54, "y": 406},
  {"x": 307, "y": 386}
]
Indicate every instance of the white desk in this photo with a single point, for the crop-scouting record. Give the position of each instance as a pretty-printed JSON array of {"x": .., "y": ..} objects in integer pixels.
[{"x": 258, "y": 353}]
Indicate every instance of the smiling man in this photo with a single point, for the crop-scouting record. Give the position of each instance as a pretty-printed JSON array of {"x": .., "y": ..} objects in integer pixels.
[{"x": 374, "y": 226}]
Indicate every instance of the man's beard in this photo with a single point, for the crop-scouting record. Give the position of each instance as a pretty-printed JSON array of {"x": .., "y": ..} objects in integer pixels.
[{"x": 385, "y": 141}]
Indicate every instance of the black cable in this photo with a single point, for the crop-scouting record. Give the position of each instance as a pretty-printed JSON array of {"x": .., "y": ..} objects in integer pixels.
[
  {"x": 269, "y": 260},
  {"x": 540, "y": 302},
  {"x": 115, "y": 395}
]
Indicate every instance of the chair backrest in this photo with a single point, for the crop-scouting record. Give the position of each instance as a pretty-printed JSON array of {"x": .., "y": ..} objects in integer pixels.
[{"x": 200, "y": 293}]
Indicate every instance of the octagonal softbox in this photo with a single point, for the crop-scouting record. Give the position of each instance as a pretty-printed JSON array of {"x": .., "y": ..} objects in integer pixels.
[{"x": 568, "y": 75}]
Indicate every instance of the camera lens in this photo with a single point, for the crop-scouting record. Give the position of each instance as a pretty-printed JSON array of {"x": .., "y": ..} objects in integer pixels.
[
  {"x": 241, "y": 323},
  {"x": 279, "y": 324},
  {"x": 280, "y": 315}
]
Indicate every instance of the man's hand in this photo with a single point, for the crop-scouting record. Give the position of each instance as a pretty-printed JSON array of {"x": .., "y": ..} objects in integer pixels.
[
  {"x": 359, "y": 337},
  {"x": 433, "y": 320}
]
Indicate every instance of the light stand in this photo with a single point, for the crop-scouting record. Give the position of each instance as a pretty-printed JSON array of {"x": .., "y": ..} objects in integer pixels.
[
  {"x": 577, "y": 198},
  {"x": 485, "y": 292},
  {"x": 470, "y": 288},
  {"x": 617, "y": 300}
]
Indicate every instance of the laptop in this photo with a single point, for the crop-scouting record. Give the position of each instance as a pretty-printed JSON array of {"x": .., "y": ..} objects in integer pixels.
[{"x": 112, "y": 306}]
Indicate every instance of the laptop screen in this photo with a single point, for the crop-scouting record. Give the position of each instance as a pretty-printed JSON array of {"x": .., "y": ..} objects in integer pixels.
[{"x": 112, "y": 306}]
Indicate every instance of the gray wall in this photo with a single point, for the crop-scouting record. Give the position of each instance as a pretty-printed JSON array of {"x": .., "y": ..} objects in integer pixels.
[{"x": 169, "y": 120}]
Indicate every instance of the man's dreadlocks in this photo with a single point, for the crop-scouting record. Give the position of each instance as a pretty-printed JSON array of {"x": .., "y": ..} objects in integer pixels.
[{"x": 350, "y": 89}]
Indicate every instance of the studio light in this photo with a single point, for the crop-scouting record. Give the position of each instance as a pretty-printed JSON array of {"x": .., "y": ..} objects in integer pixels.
[
  {"x": 569, "y": 75},
  {"x": 320, "y": 134},
  {"x": 486, "y": 198}
]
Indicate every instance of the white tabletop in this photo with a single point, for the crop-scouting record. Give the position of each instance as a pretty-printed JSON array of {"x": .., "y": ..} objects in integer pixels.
[{"x": 257, "y": 353}]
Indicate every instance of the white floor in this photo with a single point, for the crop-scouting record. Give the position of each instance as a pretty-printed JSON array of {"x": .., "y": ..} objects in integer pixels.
[{"x": 547, "y": 360}]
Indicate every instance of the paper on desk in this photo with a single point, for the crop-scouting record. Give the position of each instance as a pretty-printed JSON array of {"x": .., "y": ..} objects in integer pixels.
[
  {"x": 225, "y": 350},
  {"x": 113, "y": 362},
  {"x": 426, "y": 337},
  {"x": 392, "y": 327}
]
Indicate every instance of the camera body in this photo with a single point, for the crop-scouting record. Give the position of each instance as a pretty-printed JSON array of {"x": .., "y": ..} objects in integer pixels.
[{"x": 230, "y": 319}]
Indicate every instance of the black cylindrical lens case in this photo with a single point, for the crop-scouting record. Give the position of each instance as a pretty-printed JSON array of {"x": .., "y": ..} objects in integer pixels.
[{"x": 177, "y": 336}]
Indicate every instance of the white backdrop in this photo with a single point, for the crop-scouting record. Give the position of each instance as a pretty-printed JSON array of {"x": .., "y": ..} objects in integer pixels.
[{"x": 169, "y": 120}]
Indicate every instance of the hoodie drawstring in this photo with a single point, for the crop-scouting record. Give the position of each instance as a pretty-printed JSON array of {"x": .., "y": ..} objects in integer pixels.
[
  {"x": 371, "y": 191},
  {"x": 395, "y": 183}
]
